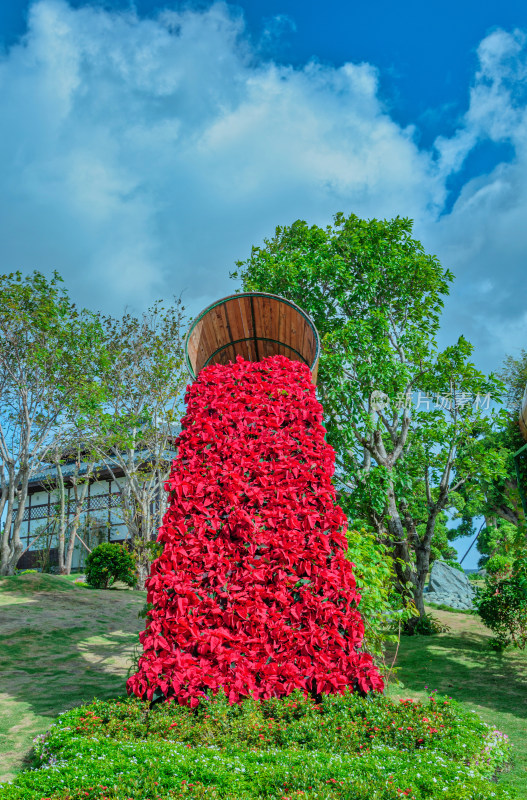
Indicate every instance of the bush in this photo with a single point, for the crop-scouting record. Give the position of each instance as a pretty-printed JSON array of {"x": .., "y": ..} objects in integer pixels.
[
  {"x": 346, "y": 747},
  {"x": 453, "y": 563},
  {"x": 425, "y": 626},
  {"x": 499, "y": 566},
  {"x": 502, "y": 606},
  {"x": 373, "y": 570},
  {"x": 108, "y": 563}
]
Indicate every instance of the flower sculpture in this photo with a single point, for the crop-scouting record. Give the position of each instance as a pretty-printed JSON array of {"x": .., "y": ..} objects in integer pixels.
[{"x": 253, "y": 592}]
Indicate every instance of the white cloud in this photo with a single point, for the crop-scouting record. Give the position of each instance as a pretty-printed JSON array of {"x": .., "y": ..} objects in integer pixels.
[
  {"x": 146, "y": 156},
  {"x": 143, "y": 157},
  {"x": 484, "y": 238}
]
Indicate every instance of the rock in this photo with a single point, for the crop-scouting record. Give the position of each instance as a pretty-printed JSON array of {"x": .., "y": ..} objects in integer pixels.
[
  {"x": 447, "y": 580},
  {"x": 432, "y": 597},
  {"x": 449, "y": 587},
  {"x": 448, "y": 600}
]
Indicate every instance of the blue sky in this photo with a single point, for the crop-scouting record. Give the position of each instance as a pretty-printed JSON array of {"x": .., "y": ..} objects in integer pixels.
[
  {"x": 146, "y": 147},
  {"x": 426, "y": 52}
]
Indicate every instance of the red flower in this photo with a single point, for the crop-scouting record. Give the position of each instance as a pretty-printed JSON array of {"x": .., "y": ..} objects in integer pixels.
[{"x": 253, "y": 592}]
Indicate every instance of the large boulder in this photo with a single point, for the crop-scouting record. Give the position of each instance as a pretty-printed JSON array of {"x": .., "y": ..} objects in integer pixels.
[
  {"x": 448, "y": 580},
  {"x": 449, "y": 586}
]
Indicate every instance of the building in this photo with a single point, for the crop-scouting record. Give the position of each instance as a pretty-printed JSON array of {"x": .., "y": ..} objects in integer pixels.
[{"x": 101, "y": 516}]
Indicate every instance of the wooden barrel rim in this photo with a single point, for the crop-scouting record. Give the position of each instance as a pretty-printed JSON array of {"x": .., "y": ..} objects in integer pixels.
[{"x": 278, "y": 297}]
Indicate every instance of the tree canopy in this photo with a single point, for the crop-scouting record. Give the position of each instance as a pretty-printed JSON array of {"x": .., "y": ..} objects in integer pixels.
[{"x": 50, "y": 355}]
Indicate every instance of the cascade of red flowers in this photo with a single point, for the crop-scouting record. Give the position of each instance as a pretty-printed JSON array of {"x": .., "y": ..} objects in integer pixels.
[{"x": 253, "y": 592}]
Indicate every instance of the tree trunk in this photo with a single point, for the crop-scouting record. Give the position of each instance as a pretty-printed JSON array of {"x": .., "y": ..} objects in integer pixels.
[
  {"x": 399, "y": 542},
  {"x": 15, "y": 545},
  {"x": 69, "y": 552},
  {"x": 62, "y": 518},
  {"x": 143, "y": 562},
  {"x": 5, "y": 550},
  {"x": 422, "y": 556},
  {"x": 4, "y": 490},
  {"x": 143, "y": 571},
  {"x": 411, "y": 580},
  {"x": 79, "y": 502}
]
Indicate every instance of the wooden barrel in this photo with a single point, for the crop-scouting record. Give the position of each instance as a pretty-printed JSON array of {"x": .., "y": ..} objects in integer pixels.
[
  {"x": 253, "y": 325},
  {"x": 523, "y": 415}
]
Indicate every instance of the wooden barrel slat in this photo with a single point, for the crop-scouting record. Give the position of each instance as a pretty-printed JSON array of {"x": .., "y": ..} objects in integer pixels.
[
  {"x": 302, "y": 338},
  {"x": 240, "y": 328},
  {"x": 202, "y": 345},
  {"x": 254, "y": 325},
  {"x": 282, "y": 327},
  {"x": 192, "y": 350},
  {"x": 269, "y": 330},
  {"x": 308, "y": 338},
  {"x": 248, "y": 327},
  {"x": 259, "y": 318},
  {"x": 228, "y": 319},
  {"x": 206, "y": 343},
  {"x": 220, "y": 328}
]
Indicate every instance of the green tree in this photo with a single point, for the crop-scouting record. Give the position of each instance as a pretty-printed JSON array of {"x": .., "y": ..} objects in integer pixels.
[
  {"x": 376, "y": 296},
  {"x": 514, "y": 375},
  {"x": 74, "y": 468},
  {"x": 496, "y": 495},
  {"x": 50, "y": 355},
  {"x": 133, "y": 435}
]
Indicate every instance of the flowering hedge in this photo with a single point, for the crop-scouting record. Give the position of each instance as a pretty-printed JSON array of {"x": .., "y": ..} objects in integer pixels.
[
  {"x": 345, "y": 748},
  {"x": 253, "y": 592}
]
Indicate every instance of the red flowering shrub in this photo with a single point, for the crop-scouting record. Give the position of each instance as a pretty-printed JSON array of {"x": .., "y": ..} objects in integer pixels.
[{"x": 253, "y": 592}]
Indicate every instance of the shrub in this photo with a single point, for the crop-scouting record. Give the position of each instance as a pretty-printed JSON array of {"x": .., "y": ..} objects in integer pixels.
[
  {"x": 502, "y": 606},
  {"x": 499, "y": 566},
  {"x": 425, "y": 626},
  {"x": 108, "y": 563},
  {"x": 373, "y": 570},
  {"x": 346, "y": 747},
  {"x": 453, "y": 563}
]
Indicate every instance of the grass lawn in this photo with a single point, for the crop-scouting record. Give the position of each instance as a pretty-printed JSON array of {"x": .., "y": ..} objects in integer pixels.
[
  {"x": 62, "y": 644},
  {"x": 460, "y": 664}
]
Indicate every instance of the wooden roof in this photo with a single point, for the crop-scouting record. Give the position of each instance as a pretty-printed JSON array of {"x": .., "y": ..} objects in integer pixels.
[{"x": 253, "y": 325}]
